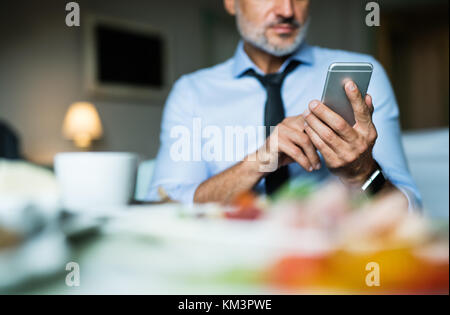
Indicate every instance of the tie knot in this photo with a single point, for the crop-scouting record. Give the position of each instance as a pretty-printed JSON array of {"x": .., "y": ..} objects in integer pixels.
[{"x": 273, "y": 79}]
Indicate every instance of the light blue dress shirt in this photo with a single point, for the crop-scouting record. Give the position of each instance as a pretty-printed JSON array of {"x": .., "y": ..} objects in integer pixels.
[{"x": 220, "y": 96}]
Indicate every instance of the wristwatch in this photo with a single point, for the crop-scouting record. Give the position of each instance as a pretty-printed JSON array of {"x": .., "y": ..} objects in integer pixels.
[{"x": 375, "y": 182}]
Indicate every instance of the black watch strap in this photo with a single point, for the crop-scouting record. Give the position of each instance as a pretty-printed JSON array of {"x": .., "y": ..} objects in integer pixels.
[{"x": 375, "y": 182}]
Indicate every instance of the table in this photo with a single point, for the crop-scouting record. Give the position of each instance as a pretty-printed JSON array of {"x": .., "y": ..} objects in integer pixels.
[{"x": 120, "y": 261}]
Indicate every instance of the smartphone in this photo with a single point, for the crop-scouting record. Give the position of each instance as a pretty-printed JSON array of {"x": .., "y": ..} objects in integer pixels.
[{"x": 338, "y": 74}]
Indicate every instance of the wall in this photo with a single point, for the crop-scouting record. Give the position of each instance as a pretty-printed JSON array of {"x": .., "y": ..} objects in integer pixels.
[{"x": 41, "y": 71}]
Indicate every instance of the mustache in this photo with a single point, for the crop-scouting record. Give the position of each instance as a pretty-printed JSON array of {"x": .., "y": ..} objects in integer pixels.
[{"x": 287, "y": 21}]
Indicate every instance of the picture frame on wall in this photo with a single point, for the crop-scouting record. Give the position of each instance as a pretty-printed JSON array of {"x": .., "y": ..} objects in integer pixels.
[{"x": 125, "y": 59}]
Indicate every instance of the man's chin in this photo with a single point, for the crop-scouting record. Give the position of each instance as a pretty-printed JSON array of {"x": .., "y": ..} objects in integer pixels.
[
  {"x": 282, "y": 41},
  {"x": 276, "y": 46},
  {"x": 283, "y": 49}
]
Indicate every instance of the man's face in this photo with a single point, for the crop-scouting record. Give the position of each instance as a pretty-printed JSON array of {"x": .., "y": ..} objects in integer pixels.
[{"x": 275, "y": 26}]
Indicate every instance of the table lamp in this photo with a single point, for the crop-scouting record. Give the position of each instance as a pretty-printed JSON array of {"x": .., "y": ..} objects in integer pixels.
[{"x": 82, "y": 124}]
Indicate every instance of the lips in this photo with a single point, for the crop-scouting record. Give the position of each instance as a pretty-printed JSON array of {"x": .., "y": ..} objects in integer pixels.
[{"x": 284, "y": 28}]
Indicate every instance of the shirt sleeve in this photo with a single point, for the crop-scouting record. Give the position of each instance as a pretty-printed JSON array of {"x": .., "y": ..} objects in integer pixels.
[
  {"x": 176, "y": 171},
  {"x": 388, "y": 150}
]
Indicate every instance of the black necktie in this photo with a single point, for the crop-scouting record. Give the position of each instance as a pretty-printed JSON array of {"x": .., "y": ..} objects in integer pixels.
[{"x": 273, "y": 115}]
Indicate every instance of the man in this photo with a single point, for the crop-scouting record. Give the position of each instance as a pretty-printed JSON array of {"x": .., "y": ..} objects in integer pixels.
[{"x": 274, "y": 79}]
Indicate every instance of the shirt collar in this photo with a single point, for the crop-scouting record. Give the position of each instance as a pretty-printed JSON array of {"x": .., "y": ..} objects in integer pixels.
[{"x": 243, "y": 63}]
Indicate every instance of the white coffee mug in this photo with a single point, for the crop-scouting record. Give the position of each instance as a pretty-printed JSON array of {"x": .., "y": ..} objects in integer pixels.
[{"x": 96, "y": 180}]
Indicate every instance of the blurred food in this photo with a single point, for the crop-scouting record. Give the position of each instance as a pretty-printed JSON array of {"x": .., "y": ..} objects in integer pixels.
[
  {"x": 411, "y": 255},
  {"x": 245, "y": 207},
  {"x": 8, "y": 239},
  {"x": 31, "y": 244},
  {"x": 298, "y": 271},
  {"x": 383, "y": 223},
  {"x": 24, "y": 185},
  {"x": 25, "y": 179},
  {"x": 309, "y": 238},
  {"x": 400, "y": 270},
  {"x": 314, "y": 207}
]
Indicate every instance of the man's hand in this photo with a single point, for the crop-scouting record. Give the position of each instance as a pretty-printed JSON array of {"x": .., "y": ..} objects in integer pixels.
[
  {"x": 287, "y": 143},
  {"x": 346, "y": 150}
]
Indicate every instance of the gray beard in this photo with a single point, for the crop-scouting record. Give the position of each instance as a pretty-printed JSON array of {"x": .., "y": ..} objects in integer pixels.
[{"x": 257, "y": 38}]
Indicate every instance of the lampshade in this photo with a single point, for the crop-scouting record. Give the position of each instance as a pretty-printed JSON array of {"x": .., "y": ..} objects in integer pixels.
[{"x": 82, "y": 124}]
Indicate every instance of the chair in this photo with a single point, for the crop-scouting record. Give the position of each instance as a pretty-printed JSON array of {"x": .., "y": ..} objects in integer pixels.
[
  {"x": 427, "y": 153},
  {"x": 9, "y": 143},
  {"x": 144, "y": 177}
]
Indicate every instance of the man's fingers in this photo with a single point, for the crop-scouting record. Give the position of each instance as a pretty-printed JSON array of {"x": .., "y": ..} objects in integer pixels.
[
  {"x": 327, "y": 153},
  {"x": 295, "y": 122},
  {"x": 333, "y": 120},
  {"x": 360, "y": 108},
  {"x": 302, "y": 140},
  {"x": 293, "y": 128},
  {"x": 295, "y": 153},
  {"x": 325, "y": 133},
  {"x": 369, "y": 103}
]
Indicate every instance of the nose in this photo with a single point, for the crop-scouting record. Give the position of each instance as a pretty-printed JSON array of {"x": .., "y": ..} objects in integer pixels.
[{"x": 284, "y": 8}]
